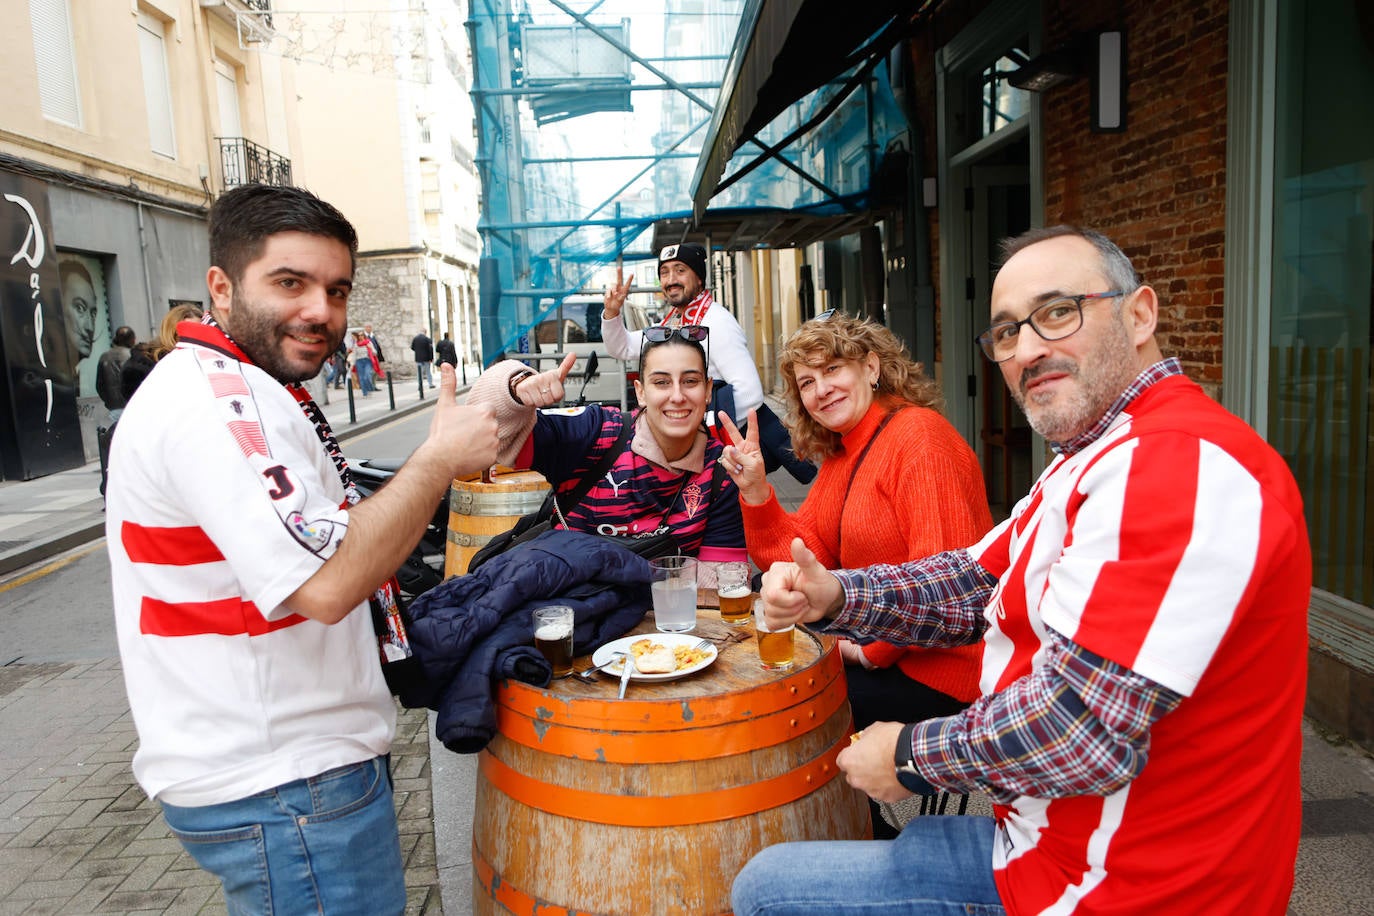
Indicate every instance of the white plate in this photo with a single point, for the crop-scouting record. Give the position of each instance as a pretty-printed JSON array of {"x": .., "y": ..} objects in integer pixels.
[{"x": 671, "y": 640}]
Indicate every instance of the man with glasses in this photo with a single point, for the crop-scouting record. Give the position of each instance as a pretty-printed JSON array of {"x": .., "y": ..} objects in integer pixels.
[
  {"x": 682, "y": 278},
  {"x": 1143, "y": 620}
]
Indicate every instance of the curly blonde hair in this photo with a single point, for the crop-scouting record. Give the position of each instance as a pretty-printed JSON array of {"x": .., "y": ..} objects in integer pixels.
[
  {"x": 842, "y": 337},
  {"x": 166, "y": 340}
]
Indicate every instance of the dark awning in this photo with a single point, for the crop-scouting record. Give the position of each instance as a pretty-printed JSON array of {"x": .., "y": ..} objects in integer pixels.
[{"x": 786, "y": 49}]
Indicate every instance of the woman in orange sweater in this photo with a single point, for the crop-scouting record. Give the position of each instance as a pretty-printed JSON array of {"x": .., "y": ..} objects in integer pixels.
[{"x": 896, "y": 482}]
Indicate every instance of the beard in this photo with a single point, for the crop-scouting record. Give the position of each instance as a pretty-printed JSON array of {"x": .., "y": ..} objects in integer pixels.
[
  {"x": 255, "y": 329},
  {"x": 1098, "y": 380}
]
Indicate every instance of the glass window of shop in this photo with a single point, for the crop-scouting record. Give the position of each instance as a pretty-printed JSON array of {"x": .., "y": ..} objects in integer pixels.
[{"x": 1320, "y": 380}]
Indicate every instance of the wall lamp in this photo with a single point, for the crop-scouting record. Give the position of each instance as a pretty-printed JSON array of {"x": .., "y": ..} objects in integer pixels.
[{"x": 1107, "y": 52}]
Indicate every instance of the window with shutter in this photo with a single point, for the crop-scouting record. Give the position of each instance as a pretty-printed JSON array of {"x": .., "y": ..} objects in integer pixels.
[
  {"x": 157, "y": 89},
  {"x": 52, "y": 51}
]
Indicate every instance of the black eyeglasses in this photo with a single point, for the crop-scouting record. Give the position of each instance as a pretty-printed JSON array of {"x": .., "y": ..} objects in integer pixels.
[
  {"x": 693, "y": 333},
  {"x": 1055, "y": 320}
]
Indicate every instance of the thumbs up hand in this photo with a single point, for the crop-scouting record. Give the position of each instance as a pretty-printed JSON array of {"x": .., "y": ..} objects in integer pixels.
[{"x": 801, "y": 591}]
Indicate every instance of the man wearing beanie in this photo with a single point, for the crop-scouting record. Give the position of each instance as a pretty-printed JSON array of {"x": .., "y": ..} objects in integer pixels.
[{"x": 682, "y": 277}]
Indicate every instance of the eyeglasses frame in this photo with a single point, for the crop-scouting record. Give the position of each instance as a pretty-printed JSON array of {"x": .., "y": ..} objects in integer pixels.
[
  {"x": 985, "y": 342},
  {"x": 683, "y": 332}
]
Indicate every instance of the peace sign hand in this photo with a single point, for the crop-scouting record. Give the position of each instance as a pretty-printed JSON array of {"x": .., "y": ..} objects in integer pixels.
[
  {"x": 744, "y": 461},
  {"x": 614, "y": 300}
]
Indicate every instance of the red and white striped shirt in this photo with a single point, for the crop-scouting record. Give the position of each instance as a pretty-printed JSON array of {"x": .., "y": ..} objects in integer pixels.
[
  {"x": 221, "y": 503},
  {"x": 1173, "y": 545}
]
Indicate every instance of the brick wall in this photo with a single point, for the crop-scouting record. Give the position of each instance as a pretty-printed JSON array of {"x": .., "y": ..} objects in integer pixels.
[{"x": 1159, "y": 189}]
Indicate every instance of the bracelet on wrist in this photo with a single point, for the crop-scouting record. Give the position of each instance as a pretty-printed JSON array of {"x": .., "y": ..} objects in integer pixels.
[{"x": 515, "y": 381}]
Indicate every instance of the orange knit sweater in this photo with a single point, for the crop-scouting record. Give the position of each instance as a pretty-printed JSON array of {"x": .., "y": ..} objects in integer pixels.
[{"x": 918, "y": 492}]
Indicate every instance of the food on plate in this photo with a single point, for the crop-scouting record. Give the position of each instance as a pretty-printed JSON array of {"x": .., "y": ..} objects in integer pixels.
[{"x": 656, "y": 658}]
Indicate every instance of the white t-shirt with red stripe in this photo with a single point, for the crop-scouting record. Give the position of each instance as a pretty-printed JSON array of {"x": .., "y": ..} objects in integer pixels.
[
  {"x": 1174, "y": 545},
  {"x": 232, "y": 693}
]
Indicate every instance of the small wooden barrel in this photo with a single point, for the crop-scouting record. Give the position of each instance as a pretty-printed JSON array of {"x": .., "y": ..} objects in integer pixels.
[
  {"x": 477, "y": 510},
  {"x": 652, "y": 804}
]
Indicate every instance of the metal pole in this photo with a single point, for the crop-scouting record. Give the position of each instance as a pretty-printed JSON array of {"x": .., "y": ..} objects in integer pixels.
[
  {"x": 390, "y": 390},
  {"x": 352, "y": 405}
]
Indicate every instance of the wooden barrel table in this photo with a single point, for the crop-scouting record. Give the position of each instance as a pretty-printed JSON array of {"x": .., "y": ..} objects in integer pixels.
[
  {"x": 479, "y": 509},
  {"x": 587, "y": 804}
]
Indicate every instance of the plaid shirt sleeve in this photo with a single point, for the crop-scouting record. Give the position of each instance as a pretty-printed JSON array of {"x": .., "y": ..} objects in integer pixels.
[
  {"x": 1077, "y": 725},
  {"x": 935, "y": 601}
]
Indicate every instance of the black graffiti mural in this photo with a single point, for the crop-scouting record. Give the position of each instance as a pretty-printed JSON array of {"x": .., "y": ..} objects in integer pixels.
[{"x": 38, "y": 381}]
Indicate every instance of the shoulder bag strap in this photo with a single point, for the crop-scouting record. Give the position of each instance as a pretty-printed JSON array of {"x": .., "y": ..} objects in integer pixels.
[
  {"x": 597, "y": 471},
  {"x": 853, "y": 472}
]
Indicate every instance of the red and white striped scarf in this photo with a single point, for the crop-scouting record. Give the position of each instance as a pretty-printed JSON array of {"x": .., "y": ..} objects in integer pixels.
[{"x": 693, "y": 313}]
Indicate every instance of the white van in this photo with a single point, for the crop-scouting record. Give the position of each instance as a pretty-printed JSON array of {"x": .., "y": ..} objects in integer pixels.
[{"x": 567, "y": 331}]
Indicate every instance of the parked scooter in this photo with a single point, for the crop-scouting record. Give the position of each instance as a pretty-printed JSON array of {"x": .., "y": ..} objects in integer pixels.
[{"x": 424, "y": 567}]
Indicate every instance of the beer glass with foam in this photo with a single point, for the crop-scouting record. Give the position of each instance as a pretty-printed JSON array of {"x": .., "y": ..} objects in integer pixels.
[
  {"x": 732, "y": 587},
  {"x": 553, "y": 637}
]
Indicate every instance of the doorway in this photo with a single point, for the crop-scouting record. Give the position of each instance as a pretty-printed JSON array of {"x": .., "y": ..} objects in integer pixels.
[
  {"x": 990, "y": 188},
  {"x": 1001, "y": 208}
]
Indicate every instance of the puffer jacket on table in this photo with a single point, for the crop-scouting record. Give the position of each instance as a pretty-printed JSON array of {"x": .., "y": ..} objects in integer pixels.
[{"x": 471, "y": 631}]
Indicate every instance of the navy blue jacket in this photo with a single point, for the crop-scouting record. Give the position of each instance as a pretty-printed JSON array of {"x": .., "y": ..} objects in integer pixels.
[{"x": 471, "y": 631}]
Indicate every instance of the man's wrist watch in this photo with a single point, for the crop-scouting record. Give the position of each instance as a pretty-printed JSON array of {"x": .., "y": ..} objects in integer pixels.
[{"x": 904, "y": 760}]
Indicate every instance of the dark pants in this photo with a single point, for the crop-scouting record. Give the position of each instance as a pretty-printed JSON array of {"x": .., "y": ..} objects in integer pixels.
[{"x": 888, "y": 695}]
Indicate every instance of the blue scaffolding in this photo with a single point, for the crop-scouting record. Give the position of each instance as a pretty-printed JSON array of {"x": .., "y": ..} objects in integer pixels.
[{"x": 591, "y": 127}]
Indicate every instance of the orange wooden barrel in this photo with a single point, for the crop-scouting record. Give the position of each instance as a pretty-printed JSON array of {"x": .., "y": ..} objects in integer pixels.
[
  {"x": 477, "y": 510},
  {"x": 652, "y": 804}
]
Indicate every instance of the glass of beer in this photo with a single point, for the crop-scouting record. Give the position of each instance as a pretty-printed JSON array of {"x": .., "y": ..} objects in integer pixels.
[
  {"x": 553, "y": 637},
  {"x": 732, "y": 587},
  {"x": 775, "y": 646}
]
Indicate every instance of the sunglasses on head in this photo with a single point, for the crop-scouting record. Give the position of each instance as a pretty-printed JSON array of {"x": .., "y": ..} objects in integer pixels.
[{"x": 694, "y": 333}]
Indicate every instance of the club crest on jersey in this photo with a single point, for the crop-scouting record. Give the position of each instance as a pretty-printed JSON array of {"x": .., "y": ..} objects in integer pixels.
[
  {"x": 692, "y": 499},
  {"x": 313, "y": 535}
]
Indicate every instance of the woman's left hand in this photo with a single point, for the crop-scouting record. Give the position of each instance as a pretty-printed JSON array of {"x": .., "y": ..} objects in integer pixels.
[{"x": 744, "y": 460}]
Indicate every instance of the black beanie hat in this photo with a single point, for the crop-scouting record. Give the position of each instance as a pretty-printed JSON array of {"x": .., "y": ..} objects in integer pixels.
[{"x": 694, "y": 256}]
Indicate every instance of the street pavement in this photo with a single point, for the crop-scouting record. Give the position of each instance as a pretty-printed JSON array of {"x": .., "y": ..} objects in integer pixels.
[{"x": 77, "y": 836}]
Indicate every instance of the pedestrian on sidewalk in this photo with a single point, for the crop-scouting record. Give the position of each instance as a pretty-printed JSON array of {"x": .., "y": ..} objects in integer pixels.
[
  {"x": 108, "y": 367},
  {"x": 1143, "y": 619},
  {"x": 243, "y": 567},
  {"x": 423, "y": 348},
  {"x": 379, "y": 357},
  {"x": 448, "y": 353},
  {"x": 364, "y": 363}
]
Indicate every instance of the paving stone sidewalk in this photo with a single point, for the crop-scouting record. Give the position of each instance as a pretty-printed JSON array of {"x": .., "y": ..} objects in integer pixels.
[{"x": 77, "y": 835}]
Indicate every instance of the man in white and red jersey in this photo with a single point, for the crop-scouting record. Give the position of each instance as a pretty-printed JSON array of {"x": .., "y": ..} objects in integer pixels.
[
  {"x": 1143, "y": 619},
  {"x": 682, "y": 278},
  {"x": 242, "y": 573}
]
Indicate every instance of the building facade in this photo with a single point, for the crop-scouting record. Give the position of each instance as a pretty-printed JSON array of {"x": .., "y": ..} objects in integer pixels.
[
  {"x": 386, "y": 124},
  {"x": 121, "y": 123}
]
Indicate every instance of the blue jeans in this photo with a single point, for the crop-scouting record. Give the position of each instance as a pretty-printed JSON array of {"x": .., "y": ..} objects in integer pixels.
[
  {"x": 937, "y": 866},
  {"x": 366, "y": 376},
  {"x": 327, "y": 844},
  {"x": 427, "y": 371}
]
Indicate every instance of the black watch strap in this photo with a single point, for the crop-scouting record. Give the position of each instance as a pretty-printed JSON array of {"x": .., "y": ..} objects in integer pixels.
[{"x": 902, "y": 759}]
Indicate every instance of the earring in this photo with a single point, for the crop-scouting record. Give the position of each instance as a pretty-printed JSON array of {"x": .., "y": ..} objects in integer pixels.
[{"x": 876, "y": 383}]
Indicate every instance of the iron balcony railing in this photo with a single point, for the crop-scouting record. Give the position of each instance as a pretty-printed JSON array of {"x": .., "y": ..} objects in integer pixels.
[{"x": 245, "y": 162}]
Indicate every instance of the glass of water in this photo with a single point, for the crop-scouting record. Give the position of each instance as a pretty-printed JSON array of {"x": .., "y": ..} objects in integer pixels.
[{"x": 674, "y": 589}]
